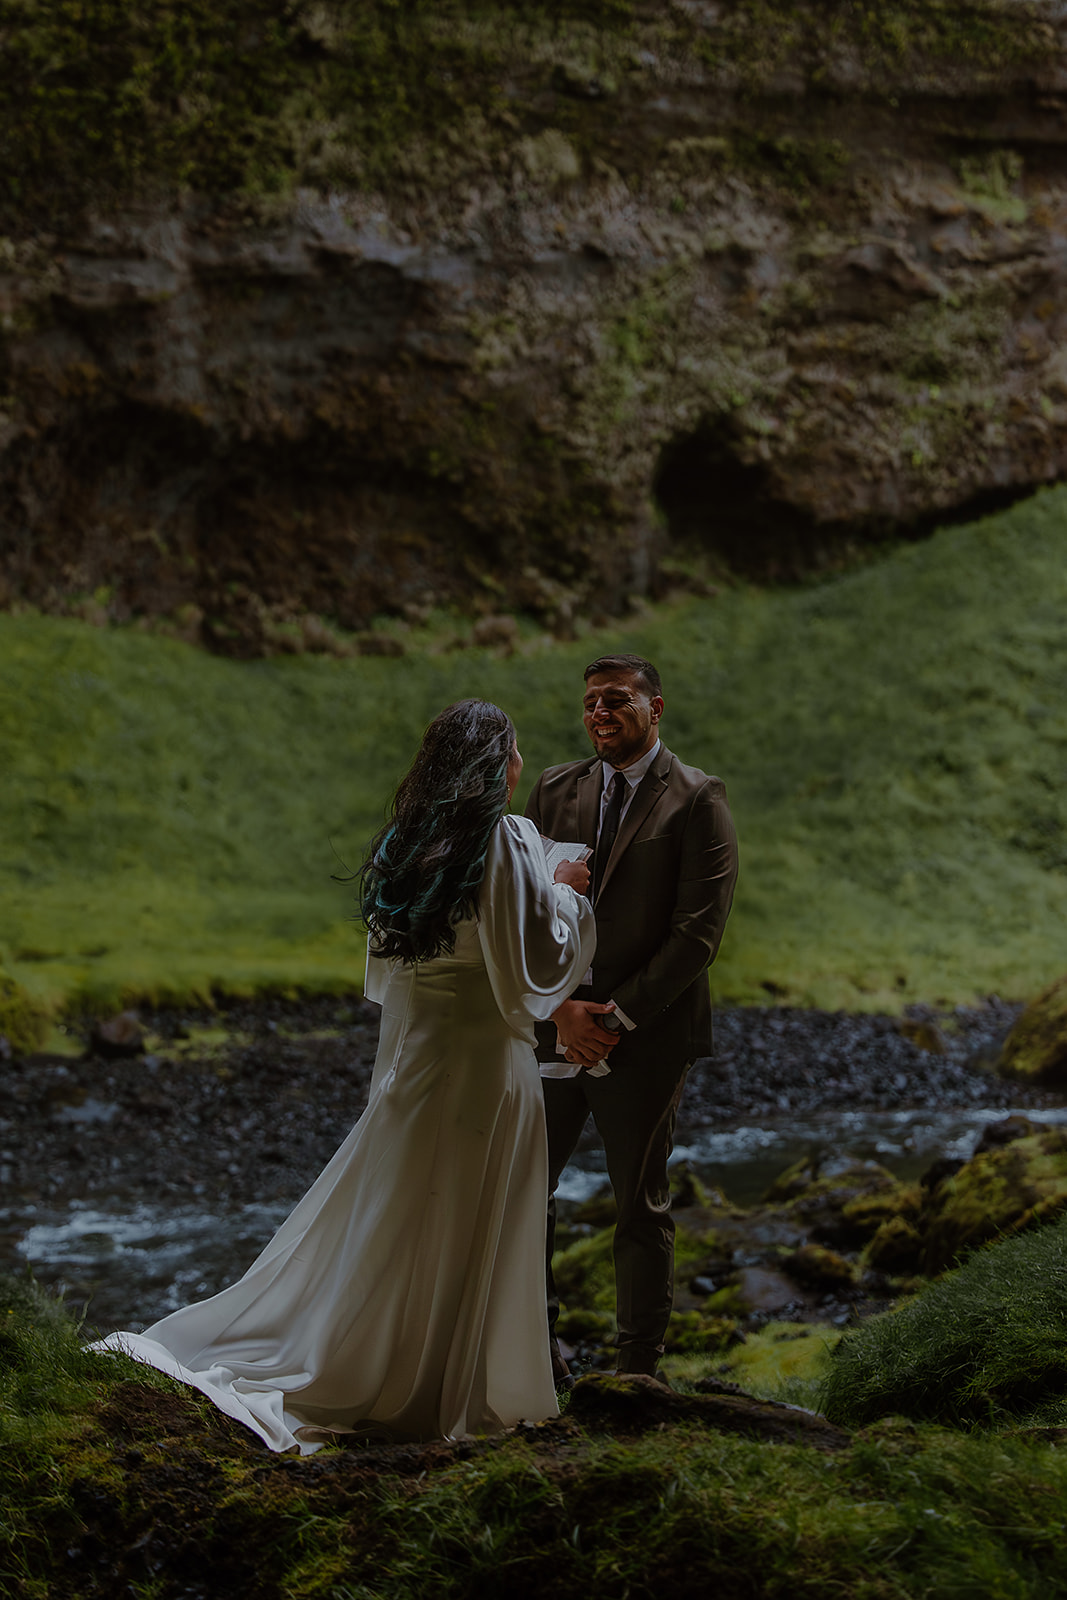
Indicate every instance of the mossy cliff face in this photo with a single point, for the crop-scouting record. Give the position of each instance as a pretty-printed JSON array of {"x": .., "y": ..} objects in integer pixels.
[{"x": 349, "y": 308}]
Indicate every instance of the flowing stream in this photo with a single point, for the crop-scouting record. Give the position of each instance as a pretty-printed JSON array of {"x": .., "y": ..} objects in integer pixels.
[{"x": 128, "y": 1264}]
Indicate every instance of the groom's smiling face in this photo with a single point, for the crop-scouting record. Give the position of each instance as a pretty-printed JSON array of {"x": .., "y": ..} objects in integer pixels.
[{"x": 620, "y": 717}]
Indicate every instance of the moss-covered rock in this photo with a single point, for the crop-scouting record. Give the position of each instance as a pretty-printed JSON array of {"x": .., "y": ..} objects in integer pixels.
[
  {"x": 866, "y": 1215},
  {"x": 1004, "y": 1189},
  {"x": 598, "y": 1211},
  {"x": 897, "y": 1247},
  {"x": 1036, "y": 1047},
  {"x": 688, "y": 1190},
  {"x": 830, "y": 1198},
  {"x": 580, "y": 1325},
  {"x": 24, "y": 1021},
  {"x": 819, "y": 1268},
  {"x": 696, "y": 1333}
]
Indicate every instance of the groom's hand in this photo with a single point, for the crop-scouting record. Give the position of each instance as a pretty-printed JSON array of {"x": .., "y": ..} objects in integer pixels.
[{"x": 579, "y": 1036}]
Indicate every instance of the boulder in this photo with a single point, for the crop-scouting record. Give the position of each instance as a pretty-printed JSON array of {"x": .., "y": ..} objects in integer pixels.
[
  {"x": 818, "y": 1268},
  {"x": 1000, "y": 1190},
  {"x": 118, "y": 1037},
  {"x": 826, "y": 1197},
  {"x": 1036, "y": 1048},
  {"x": 693, "y": 1333},
  {"x": 924, "y": 1033},
  {"x": 897, "y": 1247}
]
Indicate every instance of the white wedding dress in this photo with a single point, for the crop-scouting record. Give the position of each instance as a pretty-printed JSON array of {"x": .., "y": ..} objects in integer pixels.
[{"x": 405, "y": 1295}]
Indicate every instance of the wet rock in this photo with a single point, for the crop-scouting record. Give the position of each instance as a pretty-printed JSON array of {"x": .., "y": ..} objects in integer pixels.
[
  {"x": 823, "y": 1061},
  {"x": 936, "y": 1173},
  {"x": 247, "y": 1102},
  {"x": 1036, "y": 1048},
  {"x": 868, "y": 1213},
  {"x": 599, "y": 1211},
  {"x": 118, "y": 1037},
  {"x": 1006, "y": 1131},
  {"x": 688, "y": 1190}
]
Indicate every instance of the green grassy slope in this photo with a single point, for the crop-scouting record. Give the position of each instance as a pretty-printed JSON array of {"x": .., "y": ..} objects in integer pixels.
[
  {"x": 894, "y": 743},
  {"x": 95, "y": 1451}
]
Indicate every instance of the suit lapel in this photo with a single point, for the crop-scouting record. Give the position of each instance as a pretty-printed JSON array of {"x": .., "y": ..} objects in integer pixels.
[
  {"x": 588, "y": 800},
  {"x": 649, "y": 790}
]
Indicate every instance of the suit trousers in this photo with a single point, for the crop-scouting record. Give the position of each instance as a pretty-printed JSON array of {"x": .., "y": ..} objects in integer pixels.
[{"x": 634, "y": 1109}]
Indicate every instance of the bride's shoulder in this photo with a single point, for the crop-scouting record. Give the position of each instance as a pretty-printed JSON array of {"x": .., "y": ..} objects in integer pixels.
[
  {"x": 518, "y": 829},
  {"x": 514, "y": 840}
]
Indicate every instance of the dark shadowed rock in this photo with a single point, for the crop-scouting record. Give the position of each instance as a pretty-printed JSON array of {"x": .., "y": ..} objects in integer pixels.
[
  {"x": 119, "y": 1036},
  {"x": 997, "y": 1134},
  {"x": 923, "y": 1032}
]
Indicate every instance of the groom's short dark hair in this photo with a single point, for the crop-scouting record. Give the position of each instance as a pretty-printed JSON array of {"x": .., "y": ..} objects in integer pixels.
[{"x": 641, "y": 669}]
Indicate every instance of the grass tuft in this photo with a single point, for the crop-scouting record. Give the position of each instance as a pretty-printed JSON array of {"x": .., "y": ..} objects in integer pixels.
[{"x": 983, "y": 1344}]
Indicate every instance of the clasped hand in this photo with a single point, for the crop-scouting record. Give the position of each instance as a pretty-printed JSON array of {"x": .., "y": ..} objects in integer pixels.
[
  {"x": 575, "y": 873},
  {"x": 579, "y": 1036}
]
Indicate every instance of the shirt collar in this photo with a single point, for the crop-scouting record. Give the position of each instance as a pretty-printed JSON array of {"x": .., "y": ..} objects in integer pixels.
[{"x": 634, "y": 773}]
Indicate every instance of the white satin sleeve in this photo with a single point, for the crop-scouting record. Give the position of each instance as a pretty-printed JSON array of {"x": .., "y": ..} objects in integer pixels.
[{"x": 538, "y": 938}]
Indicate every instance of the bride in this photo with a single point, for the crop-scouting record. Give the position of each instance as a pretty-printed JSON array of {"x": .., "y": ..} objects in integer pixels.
[{"x": 405, "y": 1295}]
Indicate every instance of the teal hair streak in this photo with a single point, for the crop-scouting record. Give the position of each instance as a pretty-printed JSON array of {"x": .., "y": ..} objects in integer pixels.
[{"x": 426, "y": 866}]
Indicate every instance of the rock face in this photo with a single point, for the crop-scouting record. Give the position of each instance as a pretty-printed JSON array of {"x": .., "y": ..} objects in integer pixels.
[{"x": 452, "y": 305}]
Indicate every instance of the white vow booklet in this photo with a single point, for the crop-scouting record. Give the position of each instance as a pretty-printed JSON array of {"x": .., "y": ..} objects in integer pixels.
[{"x": 556, "y": 852}]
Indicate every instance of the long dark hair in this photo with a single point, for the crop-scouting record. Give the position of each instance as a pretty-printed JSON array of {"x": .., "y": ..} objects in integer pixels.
[{"x": 424, "y": 868}]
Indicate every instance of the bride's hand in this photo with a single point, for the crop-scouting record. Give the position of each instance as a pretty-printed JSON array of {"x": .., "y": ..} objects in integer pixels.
[
  {"x": 576, "y": 873},
  {"x": 578, "y": 1037}
]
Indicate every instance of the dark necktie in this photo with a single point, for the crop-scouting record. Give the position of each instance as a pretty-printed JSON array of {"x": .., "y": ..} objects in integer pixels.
[{"x": 609, "y": 828}]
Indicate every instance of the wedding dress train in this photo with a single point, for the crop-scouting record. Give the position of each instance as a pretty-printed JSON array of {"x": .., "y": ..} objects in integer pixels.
[{"x": 405, "y": 1294}]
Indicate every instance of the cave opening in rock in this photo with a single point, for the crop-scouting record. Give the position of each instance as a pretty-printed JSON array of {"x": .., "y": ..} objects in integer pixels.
[{"x": 716, "y": 503}]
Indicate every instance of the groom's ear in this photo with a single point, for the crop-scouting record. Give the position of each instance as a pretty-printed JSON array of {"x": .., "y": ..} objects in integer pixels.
[{"x": 656, "y": 707}]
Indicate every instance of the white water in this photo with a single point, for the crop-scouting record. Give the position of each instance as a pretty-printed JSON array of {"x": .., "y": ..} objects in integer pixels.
[{"x": 133, "y": 1264}]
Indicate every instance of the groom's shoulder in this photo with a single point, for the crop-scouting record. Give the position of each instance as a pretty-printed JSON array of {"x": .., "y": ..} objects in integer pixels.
[
  {"x": 569, "y": 771},
  {"x": 558, "y": 780},
  {"x": 687, "y": 780}
]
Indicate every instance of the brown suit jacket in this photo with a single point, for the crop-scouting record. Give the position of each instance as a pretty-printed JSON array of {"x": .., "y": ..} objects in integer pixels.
[{"x": 663, "y": 901}]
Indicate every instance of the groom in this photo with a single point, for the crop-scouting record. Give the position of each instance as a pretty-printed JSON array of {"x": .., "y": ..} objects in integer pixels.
[{"x": 664, "y": 867}]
